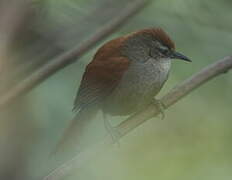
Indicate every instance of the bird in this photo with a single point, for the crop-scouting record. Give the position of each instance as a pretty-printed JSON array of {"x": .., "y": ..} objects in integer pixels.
[{"x": 124, "y": 76}]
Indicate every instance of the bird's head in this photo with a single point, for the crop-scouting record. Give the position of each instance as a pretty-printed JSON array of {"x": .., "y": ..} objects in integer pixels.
[{"x": 150, "y": 43}]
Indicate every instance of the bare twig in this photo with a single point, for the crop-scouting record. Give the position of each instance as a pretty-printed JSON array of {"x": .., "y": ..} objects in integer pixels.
[
  {"x": 134, "y": 121},
  {"x": 69, "y": 57}
]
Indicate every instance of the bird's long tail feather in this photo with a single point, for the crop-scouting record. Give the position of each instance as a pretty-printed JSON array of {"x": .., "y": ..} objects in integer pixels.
[{"x": 73, "y": 134}]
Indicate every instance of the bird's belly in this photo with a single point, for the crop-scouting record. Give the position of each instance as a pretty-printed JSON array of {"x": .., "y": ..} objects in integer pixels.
[{"x": 136, "y": 89}]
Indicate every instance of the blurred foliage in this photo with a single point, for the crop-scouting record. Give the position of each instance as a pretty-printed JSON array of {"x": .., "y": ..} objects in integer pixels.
[{"x": 194, "y": 140}]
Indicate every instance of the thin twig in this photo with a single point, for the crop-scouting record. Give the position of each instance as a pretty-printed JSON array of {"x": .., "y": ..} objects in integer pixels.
[
  {"x": 69, "y": 57},
  {"x": 134, "y": 121}
]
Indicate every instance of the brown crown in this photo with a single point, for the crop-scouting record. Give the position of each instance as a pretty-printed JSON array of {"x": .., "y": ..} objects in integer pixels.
[{"x": 160, "y": 35}]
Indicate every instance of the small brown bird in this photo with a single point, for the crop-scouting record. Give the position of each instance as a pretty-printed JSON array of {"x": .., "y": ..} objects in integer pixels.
[{"x": 123, "y": 77}]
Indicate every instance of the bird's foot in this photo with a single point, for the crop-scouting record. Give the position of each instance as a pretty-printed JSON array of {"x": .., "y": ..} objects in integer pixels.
[
  {"x": 114, "y": 133},
  {"x": 160, "y": 106}
]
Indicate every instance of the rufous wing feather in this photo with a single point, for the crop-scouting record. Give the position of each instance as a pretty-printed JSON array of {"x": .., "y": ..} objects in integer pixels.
[{"x": 102, "y": 75}]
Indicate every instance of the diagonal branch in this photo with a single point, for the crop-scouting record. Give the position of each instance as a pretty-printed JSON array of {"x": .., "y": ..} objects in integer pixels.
[
  {"x": 178, "y": 92},
  {"x": 69, "y": 57}
]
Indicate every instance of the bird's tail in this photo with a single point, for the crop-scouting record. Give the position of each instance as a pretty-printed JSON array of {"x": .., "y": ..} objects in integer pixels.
[{"x": 73, "y": 134}]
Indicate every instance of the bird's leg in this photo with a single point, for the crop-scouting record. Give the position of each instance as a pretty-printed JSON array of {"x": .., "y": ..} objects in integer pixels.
[
  {"x": 160, "y": 106},
  {"x": 115, "y": 135}
]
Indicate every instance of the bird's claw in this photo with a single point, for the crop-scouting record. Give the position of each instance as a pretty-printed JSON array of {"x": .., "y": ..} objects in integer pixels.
[
  {"x": 160, "y": 106},
  {"x": 114, "y": 133}
]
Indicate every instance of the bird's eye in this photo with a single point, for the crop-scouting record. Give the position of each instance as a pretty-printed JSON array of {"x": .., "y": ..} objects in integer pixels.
[{"x": 164, "y": 50}]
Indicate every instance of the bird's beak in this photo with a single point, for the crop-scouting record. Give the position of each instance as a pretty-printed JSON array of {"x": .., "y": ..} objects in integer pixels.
[{"x": 177, "y": 55}]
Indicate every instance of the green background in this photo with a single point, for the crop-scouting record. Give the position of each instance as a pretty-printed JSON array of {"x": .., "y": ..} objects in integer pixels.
[{"x": 193, "y": 141}]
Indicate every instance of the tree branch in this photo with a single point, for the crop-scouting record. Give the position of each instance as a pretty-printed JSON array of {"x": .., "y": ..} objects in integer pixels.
[
  {"x": 69, "y": 57},
  {"x": 178, "y": 92}
]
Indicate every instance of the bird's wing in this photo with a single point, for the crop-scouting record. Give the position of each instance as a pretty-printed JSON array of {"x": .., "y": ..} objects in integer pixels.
[
  {"x": 100, "y": 78},
  {"x": 102, "y": 74}
]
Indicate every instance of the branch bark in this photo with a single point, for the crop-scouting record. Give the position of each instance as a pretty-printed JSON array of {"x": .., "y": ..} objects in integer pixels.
[
  {"x": 178, "y": 92},
  {"x": 69, "y": 57}
]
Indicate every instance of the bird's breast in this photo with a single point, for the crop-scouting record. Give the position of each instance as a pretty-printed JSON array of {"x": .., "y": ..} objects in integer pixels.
[{"x": 140, "y": 83}]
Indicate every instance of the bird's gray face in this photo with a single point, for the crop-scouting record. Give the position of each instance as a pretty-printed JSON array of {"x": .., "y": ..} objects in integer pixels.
[
  {"x": 143, "y": 47},
  {"x": 159, "y": 51}
]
